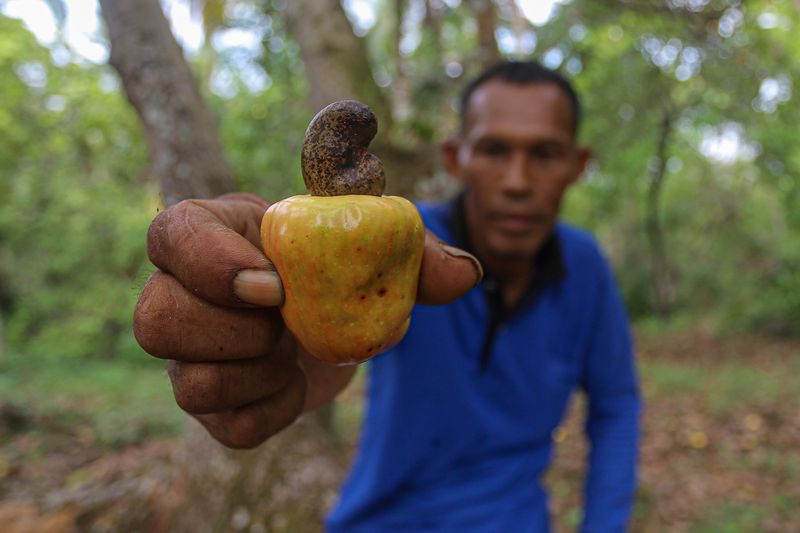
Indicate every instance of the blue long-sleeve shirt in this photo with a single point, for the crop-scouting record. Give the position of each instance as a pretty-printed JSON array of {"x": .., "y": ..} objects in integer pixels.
[{"x": 457, "y": 433}]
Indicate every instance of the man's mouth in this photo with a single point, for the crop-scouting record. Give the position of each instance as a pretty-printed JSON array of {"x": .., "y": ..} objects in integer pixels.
[{"x": 517, "y": 223}]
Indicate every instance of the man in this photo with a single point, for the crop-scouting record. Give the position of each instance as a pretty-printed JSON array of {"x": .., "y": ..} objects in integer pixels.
[{"x": 458, "y": 427}]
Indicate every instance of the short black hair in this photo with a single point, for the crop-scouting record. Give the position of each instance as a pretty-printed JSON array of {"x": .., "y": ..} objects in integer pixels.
[{"x": 522, "y": 72}]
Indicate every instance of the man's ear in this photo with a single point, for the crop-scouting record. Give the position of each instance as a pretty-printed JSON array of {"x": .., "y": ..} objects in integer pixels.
[
  {"x": 584, "y": 155},
  {"x": 450, "y": 149}
]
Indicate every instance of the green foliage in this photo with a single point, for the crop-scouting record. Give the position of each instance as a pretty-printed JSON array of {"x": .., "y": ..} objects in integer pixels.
[
  {"x": 74, "y": 206},
  {"x": 108, "y": 399},
  {"x": 75, "y": 203},
  {"x": 263, "y": 134},
  {"x": 731, "y": 226}
]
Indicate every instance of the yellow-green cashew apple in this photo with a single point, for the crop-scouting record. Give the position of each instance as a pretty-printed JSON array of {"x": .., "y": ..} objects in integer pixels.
[{"x": 348, "y": 257}]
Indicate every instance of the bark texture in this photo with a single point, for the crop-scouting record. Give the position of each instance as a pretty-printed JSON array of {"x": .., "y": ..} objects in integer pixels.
[
  {"x": 186, "y": 154},
  {"x": 287, "y": 485},
  {"x": 334, "y": 58},
  {"x": 337, "y": 67}
]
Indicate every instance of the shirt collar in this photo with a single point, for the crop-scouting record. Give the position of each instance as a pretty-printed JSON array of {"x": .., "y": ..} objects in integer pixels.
[{"x": 548, "y": 265}]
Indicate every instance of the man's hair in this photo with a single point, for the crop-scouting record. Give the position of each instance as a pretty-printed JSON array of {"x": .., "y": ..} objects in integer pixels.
[{"x": 521, "y": 72}]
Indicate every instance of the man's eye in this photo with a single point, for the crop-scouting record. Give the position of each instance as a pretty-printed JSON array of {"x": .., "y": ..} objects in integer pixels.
[
  {"x": 544, "y": 152},
  {"x": 495, "y": 150}
]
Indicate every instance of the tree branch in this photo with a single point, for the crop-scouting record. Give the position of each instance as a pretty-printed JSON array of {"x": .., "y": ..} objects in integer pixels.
[
  {"x": 663, "y": 286},
  {"x": 186, "y": 154},
  {"x": 485, "y": 16}
]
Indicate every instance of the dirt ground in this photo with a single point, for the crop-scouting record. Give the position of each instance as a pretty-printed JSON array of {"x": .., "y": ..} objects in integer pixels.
[
  {"x": 720, "y": 452},
  {"x": 707, "y": 463}
]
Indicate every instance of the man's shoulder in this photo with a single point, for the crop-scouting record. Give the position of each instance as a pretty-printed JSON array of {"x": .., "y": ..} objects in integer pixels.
[
  {"x": 579, "y": 248},
  {"x": 589, "y": 272},
  {"x": 577, "y": 240}
]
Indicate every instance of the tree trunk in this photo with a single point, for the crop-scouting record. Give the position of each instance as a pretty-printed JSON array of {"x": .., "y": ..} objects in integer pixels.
[
  {"x": 334, "y": 58},
  {"x": 287, "y": 485},
  {"x": 663, "y": 285},
  {"x": 401, "y": 85},
  {"x": 484, "y": 12},
  {"x": 337, "y": 67},
  {"x": 186, "y": 154}
]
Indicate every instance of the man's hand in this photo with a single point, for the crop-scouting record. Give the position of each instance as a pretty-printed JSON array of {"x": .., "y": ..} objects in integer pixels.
[{"x": 211, "y": 310}]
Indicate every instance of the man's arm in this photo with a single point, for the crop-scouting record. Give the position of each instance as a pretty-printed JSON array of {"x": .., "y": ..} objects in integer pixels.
[{"x": 612, "y": 426}]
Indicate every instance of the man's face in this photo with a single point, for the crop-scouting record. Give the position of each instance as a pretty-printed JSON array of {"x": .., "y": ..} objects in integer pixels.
[{"x": 516, "y": 156}]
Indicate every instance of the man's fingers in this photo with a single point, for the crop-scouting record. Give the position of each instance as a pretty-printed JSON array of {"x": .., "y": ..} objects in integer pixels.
[
  {"x": 250, "y": 425},
  {"x": 212, "y": 387},
  {"x": 171, "y": 322},
  {"x": 205, "y": 244},
  {"x": 447, "y": 273},
  {"x": 202, "y": 388}
]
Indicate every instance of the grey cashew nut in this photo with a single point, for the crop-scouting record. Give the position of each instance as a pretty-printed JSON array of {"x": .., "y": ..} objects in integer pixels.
[{"x": 334, "y": 159}]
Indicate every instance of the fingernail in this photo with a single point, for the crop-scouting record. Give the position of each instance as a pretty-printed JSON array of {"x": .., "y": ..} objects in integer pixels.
[
  {"x": 458, "y": 253},
  {"x": 259, "y": 287}
]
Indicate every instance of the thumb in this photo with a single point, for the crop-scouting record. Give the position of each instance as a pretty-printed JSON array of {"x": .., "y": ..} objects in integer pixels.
[{"x": 447, "y": 273}]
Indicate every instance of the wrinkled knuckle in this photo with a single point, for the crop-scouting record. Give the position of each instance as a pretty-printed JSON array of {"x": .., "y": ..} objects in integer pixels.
[
  {"x": 156, "y": 235},
  {"x": 196, "y": 388},
  {"x": 185, "y": 400},
  {"x": 146, "y": 329},
  {"x": 161, "y": 233},
  {"x": 182, "y": 207},
  {"x": 192, "y": 402},
  {"x": 155, "y": 316}
]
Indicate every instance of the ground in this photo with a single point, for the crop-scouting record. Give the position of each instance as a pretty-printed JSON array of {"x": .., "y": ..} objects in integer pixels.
[
  {"x": 720, "y": 445},
  {"x": 102, "y": 448}
]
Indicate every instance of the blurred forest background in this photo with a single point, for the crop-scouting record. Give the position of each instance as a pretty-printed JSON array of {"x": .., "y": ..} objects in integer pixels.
[{"x": 694, "y": 192}]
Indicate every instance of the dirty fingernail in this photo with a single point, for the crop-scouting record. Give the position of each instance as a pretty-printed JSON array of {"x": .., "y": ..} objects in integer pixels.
[
  {"x": 259, "y": 287},
  {"x": 461, "y": 254}
]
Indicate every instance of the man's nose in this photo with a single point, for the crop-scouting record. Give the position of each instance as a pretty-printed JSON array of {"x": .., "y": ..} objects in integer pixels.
[{"x": 516, "y": 179}]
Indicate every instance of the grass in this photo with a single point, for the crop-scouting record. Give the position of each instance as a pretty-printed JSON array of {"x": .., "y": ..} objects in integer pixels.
[
  {"x": 119, "y": 402},
  {"x": 731, "y": 518},
  {"x": 725, "y": 386}
]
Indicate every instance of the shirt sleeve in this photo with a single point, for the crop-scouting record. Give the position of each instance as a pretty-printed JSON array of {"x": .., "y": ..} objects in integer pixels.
[{"x": 614, "y": 403}]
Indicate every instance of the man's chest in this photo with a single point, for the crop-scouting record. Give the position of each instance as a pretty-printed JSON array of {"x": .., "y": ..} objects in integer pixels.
[{"x": 534, "y": 361}]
